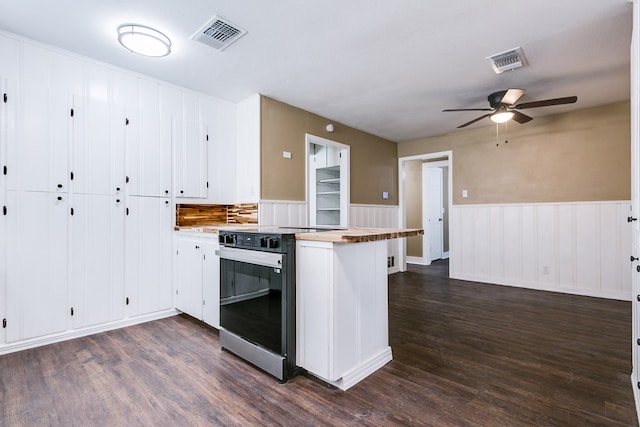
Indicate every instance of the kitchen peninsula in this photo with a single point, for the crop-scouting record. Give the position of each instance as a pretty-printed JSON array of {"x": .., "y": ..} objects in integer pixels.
[{"x": 341, "y": 299}]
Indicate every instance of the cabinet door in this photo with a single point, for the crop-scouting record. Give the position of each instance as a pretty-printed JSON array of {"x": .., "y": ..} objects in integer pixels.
[
  {"x": 220, "y": 119},
  {"x": 211, "y": 283},
  {"x": 3, "y": 265},
  {"x": 38, "y": 161},
  {"x": 190, "y": 258},
  {"x": 98, "y": 146},
  {"x": 97, "y": 259},
  {"x": 37, "y": 290},
  {"x": 149, "y": 147},
  {"x": 191, "y": 152},
  {"x": 148, "y": 233}
]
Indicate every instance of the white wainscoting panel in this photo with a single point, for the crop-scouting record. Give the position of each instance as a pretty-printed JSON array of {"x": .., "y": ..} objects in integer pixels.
[
  {"x": 378, "y": 216},
  {"x": 580, "y": 248},
  {"x": 294, "y": 214},
  {"x": 283, "y": 213}
]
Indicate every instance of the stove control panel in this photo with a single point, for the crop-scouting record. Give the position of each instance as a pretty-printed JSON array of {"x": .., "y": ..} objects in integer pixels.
[{"x": 254, "y": 241}]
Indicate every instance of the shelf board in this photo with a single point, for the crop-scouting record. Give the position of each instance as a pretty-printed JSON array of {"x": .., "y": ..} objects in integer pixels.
[
  {"x": 328, "y": 209},
  {"x": 328, "y": 193},
  {"x": 329, "y": 181}
]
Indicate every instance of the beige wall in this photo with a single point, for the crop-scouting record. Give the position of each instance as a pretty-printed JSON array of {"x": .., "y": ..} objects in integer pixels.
[
  {"x": 374, "y": 161},
  {"x": 578, "y": 156}
]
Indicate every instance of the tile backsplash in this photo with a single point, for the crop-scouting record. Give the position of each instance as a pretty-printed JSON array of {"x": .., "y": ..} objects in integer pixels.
[{"x": 190, "y": 215}]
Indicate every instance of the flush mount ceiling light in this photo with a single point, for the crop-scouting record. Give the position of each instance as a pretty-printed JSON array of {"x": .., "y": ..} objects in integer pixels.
[
  {"x": 502, "y": 115},
  {"x": 144, "y": 40}
]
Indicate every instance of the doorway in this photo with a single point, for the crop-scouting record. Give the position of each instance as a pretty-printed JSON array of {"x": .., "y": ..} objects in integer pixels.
[
  {"x": 327, "y": 182},
  {"x": 425, "y": 202}
]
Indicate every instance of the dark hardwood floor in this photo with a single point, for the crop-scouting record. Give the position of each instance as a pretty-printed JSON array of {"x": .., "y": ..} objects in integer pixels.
[{"x": 465, "y": 354}]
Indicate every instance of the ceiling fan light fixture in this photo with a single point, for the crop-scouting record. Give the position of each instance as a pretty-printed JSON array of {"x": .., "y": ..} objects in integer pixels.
[
  {"x": 502, "y": 116},
  {"x": 144, "y": 40}
]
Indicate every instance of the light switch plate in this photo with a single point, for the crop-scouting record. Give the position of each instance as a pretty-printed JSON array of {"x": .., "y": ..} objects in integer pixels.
[
  {"x": 286, "y": 154},
  {"x": 465, "y": 193}
]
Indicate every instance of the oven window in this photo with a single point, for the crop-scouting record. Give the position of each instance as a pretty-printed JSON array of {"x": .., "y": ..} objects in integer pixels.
[{"x": 251, "y": 302}]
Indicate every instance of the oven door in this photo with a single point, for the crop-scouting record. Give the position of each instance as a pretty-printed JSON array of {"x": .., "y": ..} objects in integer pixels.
[{"x": 251, "y": 300}]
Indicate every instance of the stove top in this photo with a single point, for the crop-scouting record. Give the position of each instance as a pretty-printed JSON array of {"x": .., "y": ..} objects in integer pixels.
[{"x": 265, "y": 238}]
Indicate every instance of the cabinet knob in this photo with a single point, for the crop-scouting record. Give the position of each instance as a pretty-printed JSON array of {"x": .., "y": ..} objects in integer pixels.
[
  {"x": 197, "y": 247},
  {"x": 181, "y": 192},
  {"x": 59, "y": 198},
  {"x": 117, "y": 200},
  {"x": 166, "y": 191},
  {"x": 638, "y": 268},
  {"x": 631, "y": 219},
  {"x": 166, "y": 202},
  {"x": 638, "y": 297},
  {"x": 117, "y": 188},
  {"x": 632, "y": 258},
  {"x": 59, "y": 185}
]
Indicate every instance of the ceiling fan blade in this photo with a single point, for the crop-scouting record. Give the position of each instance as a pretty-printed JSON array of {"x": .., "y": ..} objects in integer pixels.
[
  {"x": 520, "y": 118},
  {"x": 468, "y": 109},
  {"x": 511, "y": 96},
  {"x": 547, "y": 102},
  {"x": 473, "y": 121}
]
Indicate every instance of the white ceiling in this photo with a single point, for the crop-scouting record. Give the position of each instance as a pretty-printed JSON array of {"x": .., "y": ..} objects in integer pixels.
[{"x": 385, "y": 67}]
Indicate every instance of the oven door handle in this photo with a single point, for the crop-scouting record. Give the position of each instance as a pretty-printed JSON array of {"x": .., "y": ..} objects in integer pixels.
[{"x": 266, "y": 259}]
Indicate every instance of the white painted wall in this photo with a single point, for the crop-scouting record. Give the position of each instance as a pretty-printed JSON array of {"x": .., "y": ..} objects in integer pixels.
[{"x": 579, "y": 248}]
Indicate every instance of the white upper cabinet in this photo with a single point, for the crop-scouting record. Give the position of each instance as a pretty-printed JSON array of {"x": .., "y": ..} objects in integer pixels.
[
  {"x": 247, "y": 160},
  {"x": 191, "y": 150},
  {"x": 96, "y": 254},
  {"x": 221, "y": 118},
  {"x": 39, "y": 159},
  {"x": 98, "y": 146},
  {"x": 149, "y": 143}
]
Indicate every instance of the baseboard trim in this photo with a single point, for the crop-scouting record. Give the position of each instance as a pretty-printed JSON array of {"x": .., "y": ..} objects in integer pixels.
[
  {"x": 417, "y": 260},
  {"x": 549, "y": 287},
  {"x": 367, "y": 368},
  {"x": 83, "y": 332}
]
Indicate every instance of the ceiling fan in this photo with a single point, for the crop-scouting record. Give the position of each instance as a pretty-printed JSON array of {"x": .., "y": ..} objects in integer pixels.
[{"x": 503, "y": 108}]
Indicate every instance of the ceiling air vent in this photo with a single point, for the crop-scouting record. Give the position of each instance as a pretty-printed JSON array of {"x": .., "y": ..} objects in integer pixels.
[
  {"x": 218, "y": 33},
  {"x": 507, "y": 61}
]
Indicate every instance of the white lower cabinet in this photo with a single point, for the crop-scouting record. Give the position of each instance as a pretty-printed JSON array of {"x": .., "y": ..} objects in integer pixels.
[
  {"x": 198, "y": 277},
  {"x": 96, "y": 259},
  {"x": 341, "y": 310},
  {"x": 148, "y": 266},
  {"x": 37, "y": 269}
]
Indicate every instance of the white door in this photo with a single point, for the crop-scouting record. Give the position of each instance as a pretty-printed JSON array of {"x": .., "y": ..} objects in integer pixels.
[
  {"x": 189, "y": 299},
  {"x": 433, "y": 210},
  {"x": 36, "y": 264},
  {"x": 97, "y": 259},
  {"x": 634, "y": 214}
]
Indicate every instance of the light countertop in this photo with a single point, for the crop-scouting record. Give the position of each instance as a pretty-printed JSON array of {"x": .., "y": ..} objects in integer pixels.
[{"x": 347, "y": 235}]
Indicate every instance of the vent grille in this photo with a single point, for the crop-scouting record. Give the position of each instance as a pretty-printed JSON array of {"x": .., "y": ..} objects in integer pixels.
[
  {"x": 507, "y": 61},
  {"x": 218, "y": 33}
]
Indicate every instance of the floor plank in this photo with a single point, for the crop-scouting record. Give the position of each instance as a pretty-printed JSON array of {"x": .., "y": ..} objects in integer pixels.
[{"x": 465, "y": 354}]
